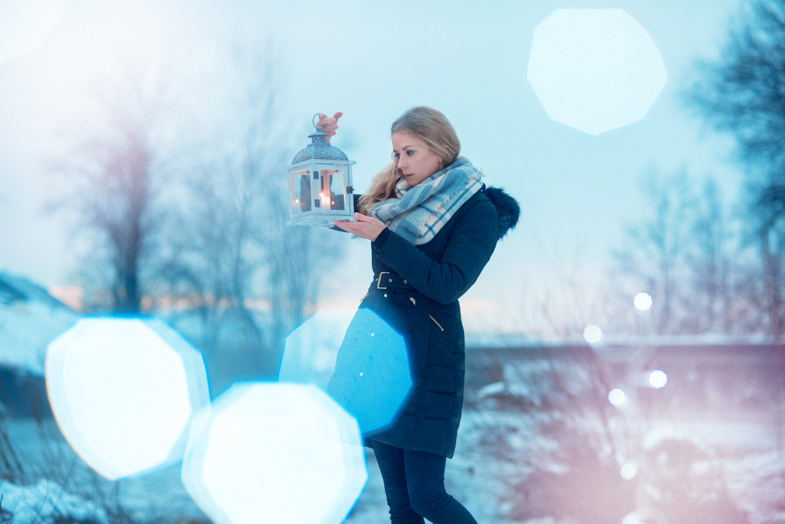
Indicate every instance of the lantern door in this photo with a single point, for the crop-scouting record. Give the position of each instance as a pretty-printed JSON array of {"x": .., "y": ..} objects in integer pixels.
[
  {"x": 332, "y": 190},
  {"x": 301, "y": 199}
]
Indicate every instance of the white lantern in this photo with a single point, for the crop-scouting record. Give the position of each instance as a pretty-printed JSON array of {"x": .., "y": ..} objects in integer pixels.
[{"x": 320, "y": 183}]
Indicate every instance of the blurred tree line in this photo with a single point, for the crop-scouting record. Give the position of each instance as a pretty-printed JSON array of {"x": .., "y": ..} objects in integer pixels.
[
  {"x": 175, "y": 184},
  {"x": 710, "y": 269}
]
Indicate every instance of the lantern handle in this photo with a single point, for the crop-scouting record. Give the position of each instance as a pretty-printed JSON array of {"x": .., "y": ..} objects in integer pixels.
[{"x": 313, "y": 121}]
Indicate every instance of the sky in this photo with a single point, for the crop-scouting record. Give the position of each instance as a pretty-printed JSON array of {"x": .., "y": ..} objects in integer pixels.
[{"x": 373, "y": 60}]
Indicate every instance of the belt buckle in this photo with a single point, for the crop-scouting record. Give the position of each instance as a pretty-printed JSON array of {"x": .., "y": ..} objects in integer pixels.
[{"x": 379, "y": 280}]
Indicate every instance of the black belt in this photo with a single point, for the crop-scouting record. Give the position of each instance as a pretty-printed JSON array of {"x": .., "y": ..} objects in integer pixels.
[{"x": 387, "y": 280}]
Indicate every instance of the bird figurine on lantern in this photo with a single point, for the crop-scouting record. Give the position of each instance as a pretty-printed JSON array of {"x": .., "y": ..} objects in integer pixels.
[{"x": 320, "y": 184}]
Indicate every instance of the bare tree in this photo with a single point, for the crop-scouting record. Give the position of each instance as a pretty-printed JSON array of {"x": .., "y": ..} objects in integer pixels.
[
  {"x": 770, "y": 212},
  {"x": 743, "y": 93},
  {"x": 710, "y": 264},
  {"x": 112, "y": 178},
  {"x": 654, "y": 249},
  {"x": 250, "y": 276}
]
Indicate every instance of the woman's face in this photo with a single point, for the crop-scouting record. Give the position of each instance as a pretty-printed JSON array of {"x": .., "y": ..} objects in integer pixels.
[{"x": 415, "y": 160}]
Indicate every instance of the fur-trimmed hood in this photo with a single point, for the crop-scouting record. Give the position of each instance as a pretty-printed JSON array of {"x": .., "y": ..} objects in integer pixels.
[{"x": 507, "y": 209}]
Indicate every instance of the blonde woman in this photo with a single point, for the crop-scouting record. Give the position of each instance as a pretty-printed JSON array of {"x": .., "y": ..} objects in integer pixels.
[{"x": 433, "y": 226}]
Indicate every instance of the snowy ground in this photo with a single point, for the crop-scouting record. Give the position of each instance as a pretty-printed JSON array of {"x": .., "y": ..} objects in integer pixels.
[
  {"x": 160, "y": 496},
  {"x": 474, "y": 477}
]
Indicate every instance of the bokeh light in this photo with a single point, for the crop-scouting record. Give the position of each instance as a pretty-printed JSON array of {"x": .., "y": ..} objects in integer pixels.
[
  {"x": 595, "y": 69},
  {"x": 311, "y": 349},
  {"x": 642, "y": 301},
  {"x": 123, "y": 391},
  {"x": 26, "y": 24},
  {"x": 658, "y": 379},
  {"x": 632, "y": 518},
  {"x": 274, "y": 452},
  {"x": 372, "y": 377},
  {"x": 617, "y": 397},
  {"x": 628, "y": 470},
  {"x": 592, "y": 334}
]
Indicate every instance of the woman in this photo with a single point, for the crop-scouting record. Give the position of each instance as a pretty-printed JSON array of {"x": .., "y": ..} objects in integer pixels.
[{"x": 433, "y": 226}]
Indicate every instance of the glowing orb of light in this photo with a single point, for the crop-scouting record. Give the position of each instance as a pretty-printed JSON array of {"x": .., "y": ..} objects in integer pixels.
[
  {"x": 26, "y": 24},
  {"x": 372, "y": 377},
  {"x": 592, "y": 334},
  {"x": 123, "y": 391},
  {"x": 274, "y": 452},
  {"x": 311, "y": 349},
  {"x": 658, "y": 379},
  {"x": 633, "y": 518},
  {"x": 642, "y": 301},
  {"x": 617, "y": 397},
  {"x": 595, "y": 69},
  {"x": 628, "y": 470}
]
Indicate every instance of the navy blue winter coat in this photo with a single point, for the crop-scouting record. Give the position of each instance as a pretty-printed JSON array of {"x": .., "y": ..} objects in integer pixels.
[{"x": 416, "y": 291}]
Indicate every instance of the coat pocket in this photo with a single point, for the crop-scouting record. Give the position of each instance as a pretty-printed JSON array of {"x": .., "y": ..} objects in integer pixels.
[{"x": 445, "y": 326}]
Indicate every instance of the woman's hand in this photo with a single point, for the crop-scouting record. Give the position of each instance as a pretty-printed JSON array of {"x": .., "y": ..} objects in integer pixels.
[
  {"x": 328, "y": 124},
  {"x": 365, "y": 227}
]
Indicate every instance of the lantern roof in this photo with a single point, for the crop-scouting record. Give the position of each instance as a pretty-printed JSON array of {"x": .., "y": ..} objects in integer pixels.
[{"x": 318, "y": 149}]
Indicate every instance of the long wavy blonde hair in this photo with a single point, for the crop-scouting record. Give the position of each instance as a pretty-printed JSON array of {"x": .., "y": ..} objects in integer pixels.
[{"x": 435, "y": 132}]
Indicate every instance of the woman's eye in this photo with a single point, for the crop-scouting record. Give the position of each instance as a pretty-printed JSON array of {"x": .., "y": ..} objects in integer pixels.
[{"x": 409, "y": 153}]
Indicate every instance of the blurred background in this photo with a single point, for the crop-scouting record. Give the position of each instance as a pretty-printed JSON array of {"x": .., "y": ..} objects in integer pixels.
[{"x": 142, "y": 155}]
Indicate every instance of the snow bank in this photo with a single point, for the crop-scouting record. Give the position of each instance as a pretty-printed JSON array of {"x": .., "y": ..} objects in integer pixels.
[{"x": 29, "y": 319}]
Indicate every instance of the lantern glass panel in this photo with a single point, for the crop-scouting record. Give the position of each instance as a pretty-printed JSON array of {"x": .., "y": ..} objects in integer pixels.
[
  {"x": 333, "y": 189},
  {"x": 301, "y": 191}
]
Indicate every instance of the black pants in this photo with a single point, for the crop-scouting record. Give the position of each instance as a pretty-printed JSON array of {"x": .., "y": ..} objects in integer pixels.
[{"x": 414, "y": 484}]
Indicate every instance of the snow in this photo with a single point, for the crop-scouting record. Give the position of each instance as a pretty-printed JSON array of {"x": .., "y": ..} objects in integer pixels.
[
  {"x": 29, "y": 319},
  {"x": 507, "y": 398},
  {"x": 46, "y": 500}
]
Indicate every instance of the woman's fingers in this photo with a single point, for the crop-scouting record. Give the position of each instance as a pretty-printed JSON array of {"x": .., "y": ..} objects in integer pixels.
[
  {"x": 329, "y": 122},
  {"x": 373, "y": 221},
  {"x": 365, "y": 227},
  {"x": 328, "y": 125}
]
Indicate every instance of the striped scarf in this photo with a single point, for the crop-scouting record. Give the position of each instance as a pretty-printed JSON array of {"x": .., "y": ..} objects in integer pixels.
[{"x": 418, "y": 213}]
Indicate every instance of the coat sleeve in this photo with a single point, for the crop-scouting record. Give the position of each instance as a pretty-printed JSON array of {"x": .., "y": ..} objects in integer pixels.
[{"x": 469, "y": 248}]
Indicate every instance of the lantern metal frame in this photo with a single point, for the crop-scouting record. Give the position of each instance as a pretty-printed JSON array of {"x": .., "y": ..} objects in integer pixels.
[{"x": 313, "y": 199}]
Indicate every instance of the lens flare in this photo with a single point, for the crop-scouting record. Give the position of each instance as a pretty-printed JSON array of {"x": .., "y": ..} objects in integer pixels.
[
  {"x": 628, "y": 471},
  {"x": 273, "y": 452},
  {"x": 123, "y": 391},
  {"x": 658, "y": 379},
  {"x": 642, "y": 301},
  {"x": 25, "y": 26},
  {"x": 595, "y": 69},
  {"x": 311, "y": 349},
  {"x": 617, "y": 397},
  {"x": 592, "y": 334},
  {"x": 357, "y": 358}
]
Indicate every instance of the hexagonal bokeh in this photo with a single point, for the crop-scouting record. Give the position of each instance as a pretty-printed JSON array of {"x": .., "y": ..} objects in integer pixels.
[
  {"x": 24, "y": 26},
  {"x": 311, "y": 349},
  {"x": 123, "y": 391},
  {"x": 595, "y": 69},
  {"x": 273, "y": 452},
  {"x": 357, "y": 358}
]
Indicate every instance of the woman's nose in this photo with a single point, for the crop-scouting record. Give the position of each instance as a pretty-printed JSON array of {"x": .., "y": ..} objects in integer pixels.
[{"x": 401, "y": 163}]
